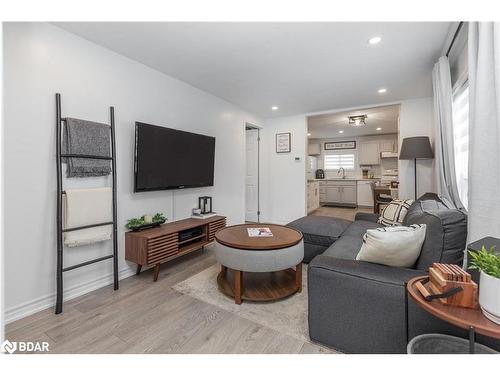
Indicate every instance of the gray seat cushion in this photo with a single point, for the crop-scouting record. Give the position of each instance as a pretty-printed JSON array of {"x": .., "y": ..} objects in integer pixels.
[
  {"x": 359, "y": 227},
  {"x": 346, "y": 247},
  {"x": 320, "y": 230}
]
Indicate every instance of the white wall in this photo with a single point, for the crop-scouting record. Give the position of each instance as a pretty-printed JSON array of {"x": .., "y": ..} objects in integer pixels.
[
  {"x": 283, "y": 179},
  {"x": 416, "y": 119},
  {"x": 40, "y": 60}
]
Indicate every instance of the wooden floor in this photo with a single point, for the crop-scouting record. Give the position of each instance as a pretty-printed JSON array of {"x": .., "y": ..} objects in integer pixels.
[
  {"x": 340, "y": 212},
  {"x": 147, "y": 317}
]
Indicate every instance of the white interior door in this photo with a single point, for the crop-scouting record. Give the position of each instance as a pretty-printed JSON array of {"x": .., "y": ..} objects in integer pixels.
[{"x": 252, "y": 176}]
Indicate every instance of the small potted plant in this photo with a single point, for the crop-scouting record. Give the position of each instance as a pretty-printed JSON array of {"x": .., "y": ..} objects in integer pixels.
[
  {"x": 489, "y": 283},
  {"x": 146, "y": 221}
]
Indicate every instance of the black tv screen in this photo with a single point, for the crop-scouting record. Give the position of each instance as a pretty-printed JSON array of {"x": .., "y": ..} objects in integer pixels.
[{"x": 171, "y": 159}]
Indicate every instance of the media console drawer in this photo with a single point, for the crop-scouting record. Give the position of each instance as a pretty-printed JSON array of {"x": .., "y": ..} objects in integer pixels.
[{"x": 162, "y": 244}]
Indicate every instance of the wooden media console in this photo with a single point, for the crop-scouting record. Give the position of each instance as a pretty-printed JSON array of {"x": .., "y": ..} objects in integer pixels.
[{"x": 159, "y": 245}]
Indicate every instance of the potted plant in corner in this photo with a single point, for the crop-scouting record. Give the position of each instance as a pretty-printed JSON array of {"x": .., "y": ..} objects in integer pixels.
[{"x": 489, "y": 283}]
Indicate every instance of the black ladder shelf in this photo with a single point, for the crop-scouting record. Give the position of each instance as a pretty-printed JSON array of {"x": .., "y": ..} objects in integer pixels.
[{"x": 60, "y": 192}]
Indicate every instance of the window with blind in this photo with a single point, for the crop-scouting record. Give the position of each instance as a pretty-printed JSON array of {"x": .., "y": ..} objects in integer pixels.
[
  {"x": 461, "y": 139},
  {"x": 336, "y": 161}
]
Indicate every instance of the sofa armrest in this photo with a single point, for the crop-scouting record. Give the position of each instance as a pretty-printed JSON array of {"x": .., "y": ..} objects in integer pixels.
[
  {"x": 358, "y": 307},
  {"x": 367, "y": 216}
]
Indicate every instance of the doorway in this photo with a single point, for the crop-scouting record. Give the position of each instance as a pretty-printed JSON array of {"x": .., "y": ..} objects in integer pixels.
[{"x": 252, "y": 190}]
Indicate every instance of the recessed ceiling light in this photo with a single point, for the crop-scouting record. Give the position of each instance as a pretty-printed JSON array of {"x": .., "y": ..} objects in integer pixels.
[
  {"x": 382, "y": 91},
  {"x": 379, "y": 128},
  {"x": 274, "y": 108},
  {"x": 341, "y": 131},
  {"x": 375, "y": 40},
  {"x": 308, "y": 134}
]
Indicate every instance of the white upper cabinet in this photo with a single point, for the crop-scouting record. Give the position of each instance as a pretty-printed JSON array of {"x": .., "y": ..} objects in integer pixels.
[
  {"x": 388, "y": 146},
  {"x": 369, "y": 153},
  {"x": 314, "y": 149}
]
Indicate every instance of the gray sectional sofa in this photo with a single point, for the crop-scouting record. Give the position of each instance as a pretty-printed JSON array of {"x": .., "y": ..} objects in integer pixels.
[{"x": 361, "y": 307}]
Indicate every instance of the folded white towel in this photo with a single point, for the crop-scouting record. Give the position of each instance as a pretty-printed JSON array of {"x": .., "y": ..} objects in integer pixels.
[{"x": 86, "y": 207}]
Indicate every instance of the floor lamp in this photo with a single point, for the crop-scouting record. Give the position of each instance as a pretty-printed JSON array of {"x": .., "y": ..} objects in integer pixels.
[{"x": 414, "y": 148}]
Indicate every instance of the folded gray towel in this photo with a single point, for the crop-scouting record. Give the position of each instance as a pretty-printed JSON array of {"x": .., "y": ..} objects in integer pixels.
[{"x": 86, "y": 138}]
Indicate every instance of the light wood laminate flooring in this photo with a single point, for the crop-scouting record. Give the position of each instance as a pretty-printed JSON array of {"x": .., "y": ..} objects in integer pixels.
[
  {"x": 147, "y": 317},
  {"x": 340, "y": 212}
]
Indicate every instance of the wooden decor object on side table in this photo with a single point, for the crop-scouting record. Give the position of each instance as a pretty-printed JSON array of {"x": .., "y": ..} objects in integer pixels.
[
  {"x": 451, "y": 281},
  {"x": 163, "y": 244}
]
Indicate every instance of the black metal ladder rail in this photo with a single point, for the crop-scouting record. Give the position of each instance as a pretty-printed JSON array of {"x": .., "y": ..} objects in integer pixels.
[{"x": 61, "y": 192}]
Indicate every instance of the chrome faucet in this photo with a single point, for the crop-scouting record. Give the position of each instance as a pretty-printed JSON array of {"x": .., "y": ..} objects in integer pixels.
[{"x": 341, "y": 169}]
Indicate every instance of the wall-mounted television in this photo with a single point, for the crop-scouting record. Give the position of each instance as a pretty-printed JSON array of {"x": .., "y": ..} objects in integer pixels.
[{"x": 166, "y": 158}]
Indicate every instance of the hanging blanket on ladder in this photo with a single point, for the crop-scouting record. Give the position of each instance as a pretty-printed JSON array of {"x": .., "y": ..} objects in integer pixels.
[
  {"x": 86, "y": 138},
  {"x": 87, "y": 207}
]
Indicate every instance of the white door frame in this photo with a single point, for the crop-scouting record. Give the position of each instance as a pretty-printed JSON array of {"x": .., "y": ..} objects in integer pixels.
[{"x": 248, "y": 126}]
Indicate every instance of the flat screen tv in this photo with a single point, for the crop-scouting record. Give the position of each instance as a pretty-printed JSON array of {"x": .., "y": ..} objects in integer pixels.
[{"x": 171, "y": 159}]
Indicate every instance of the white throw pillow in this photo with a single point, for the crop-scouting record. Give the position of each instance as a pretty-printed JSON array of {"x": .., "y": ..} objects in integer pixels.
[
  {"x": 393, "y": 246},
  {"x": 395, "y": 212}
]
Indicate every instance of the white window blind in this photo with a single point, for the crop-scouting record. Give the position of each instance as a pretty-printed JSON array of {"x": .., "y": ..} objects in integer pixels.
[
  {"x": 461, "y": 139},
  {"x": 336, "y": 161}
]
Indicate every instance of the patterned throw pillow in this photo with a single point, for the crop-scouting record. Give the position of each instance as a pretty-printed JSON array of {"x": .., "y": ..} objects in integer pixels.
[{"x": 394, "y": 213}]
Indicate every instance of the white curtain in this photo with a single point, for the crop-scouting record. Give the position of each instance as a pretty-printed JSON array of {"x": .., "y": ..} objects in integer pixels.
[
  {"x": 484, "y": 130},
  {"x": 444, "y": 146}
]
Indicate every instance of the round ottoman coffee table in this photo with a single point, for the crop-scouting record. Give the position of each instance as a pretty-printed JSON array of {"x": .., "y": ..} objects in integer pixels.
[{"x": 259, "y": 268}]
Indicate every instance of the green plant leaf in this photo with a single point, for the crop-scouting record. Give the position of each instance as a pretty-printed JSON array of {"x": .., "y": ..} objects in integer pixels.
[{"x": 486, "y": 260}]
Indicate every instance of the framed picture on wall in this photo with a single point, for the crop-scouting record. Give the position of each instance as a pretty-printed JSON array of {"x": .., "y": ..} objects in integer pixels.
[
  {"x": 283, "y": 142},
  {"x": 349, "y": 145}
]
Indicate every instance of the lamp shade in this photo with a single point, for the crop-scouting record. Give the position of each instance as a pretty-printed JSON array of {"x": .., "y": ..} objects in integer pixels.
[{"x": 416, "y": 148}]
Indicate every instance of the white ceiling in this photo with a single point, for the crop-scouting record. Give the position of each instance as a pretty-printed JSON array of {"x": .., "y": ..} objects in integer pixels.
[
  {"x": 329, "y": 125},
  {"x": 300, "y": 67}
]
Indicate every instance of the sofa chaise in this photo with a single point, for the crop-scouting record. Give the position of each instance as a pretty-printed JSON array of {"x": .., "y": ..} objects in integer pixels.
[{"x": 361, "y": 307}]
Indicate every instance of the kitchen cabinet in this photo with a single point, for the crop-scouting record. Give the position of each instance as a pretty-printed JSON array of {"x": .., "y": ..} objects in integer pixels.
[
  {"x": 312, "y": 196},
  {"x": 388, "y": 146},
  {"x": 333, "y": 194},
  {"x": 369, "y": 153},
  {"x": 314, "y": 149},
  {"x": 338, "y": 192},
  {"x": 349, "y": 195},
  {"x": 365, "y": 195},
  {"x": 312, "y": 164}
]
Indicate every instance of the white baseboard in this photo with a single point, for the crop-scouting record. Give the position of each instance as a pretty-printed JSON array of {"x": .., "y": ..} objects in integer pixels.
[
  {"x": 42, "y": 303},
  {"x": 274, "y": 221}
]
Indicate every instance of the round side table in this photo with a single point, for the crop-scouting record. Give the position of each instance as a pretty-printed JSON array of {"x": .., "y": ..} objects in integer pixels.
[{"x": 472, "y": 320}]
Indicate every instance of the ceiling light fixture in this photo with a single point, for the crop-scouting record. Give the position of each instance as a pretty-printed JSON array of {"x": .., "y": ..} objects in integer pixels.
[
  {"x": 379, "y": 128},
  {"x": 341, "y": 131},
  {"x": 382, "y": 91},
  {"x": 359, "y": 120},
  {"x": 375, "y": 40},
  {"x": 274, "y": 108}
]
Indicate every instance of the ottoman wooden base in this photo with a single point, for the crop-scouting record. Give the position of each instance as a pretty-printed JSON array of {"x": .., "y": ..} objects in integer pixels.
[{"x": 260, "y": 286}]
